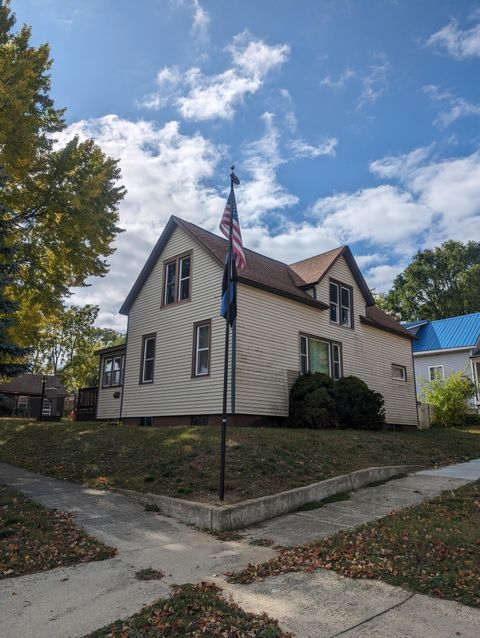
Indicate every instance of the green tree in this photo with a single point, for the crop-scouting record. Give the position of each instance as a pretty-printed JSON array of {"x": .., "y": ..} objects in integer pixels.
[
  {"x": 62, "y": 198},
  {"x": 67, "y": 343},
  {"x": 440, "y": 282},
  {"x": 449, "y": 397},
  {"x": 13, "y": 360}
]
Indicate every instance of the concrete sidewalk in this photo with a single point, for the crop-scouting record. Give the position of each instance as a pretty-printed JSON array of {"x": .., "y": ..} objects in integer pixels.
[{"x": 73, "y": 601}]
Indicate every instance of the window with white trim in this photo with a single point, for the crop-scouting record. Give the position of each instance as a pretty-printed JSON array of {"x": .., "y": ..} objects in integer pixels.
[
  {"x": 317, "y": 355},
  {"x": 177, "y": 280},
  {"x": 399, "y": 373},
  {"x": 184, "y": 278},
  {"x": 341, "y": 304},
  {"x": 148, "y": 359},
  {"x": 22, "y": 405},
  {"x": 436, "y": 373},
  {"x": 112, "y": 371},
  {"x": 201, "y": 349}
]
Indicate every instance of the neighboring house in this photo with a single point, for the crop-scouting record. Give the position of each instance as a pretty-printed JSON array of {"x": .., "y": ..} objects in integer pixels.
[
  {"x": 26, "y": 391},
  {"x": 447, "y": 345},
  {"x": 317, "y": 314}
]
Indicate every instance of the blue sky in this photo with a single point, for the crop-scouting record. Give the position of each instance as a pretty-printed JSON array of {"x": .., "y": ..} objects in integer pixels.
[{"x": 348, "y": 122}]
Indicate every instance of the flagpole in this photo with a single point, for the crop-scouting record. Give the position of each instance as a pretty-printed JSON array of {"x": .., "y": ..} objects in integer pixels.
[{"x": 221, "y": 490}]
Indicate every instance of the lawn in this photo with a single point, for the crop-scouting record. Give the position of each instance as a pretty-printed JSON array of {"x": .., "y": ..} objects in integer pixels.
[
  {"x": 183, "y": 461},
  {"x": 432, "y": 548},
  {"x": 33, "y": 538},
  {"x": 193, "y": 611}
]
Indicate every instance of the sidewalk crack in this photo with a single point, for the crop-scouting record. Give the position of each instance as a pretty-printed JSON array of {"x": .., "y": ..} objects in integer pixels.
[{"x": 380, "y": 613}]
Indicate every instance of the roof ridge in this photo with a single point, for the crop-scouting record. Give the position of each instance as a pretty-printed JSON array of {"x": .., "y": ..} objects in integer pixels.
[
  {"x": 295, "y": 263},
  {"x": 255, "y": 252},
  {"x": 470, "y": 314}
]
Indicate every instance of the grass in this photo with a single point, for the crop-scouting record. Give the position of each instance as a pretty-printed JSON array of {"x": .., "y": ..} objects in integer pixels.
[
  {"x": 432, "y": 548},
  {"x": 33, "y": 538},
  {"x": 149, "y": 574},
  {"x": 193, "y": 611},
  {"x": 184, "y": 461}
]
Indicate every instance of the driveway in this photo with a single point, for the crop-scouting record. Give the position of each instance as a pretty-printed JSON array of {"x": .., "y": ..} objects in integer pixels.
[{"x": 73, "y": 601}]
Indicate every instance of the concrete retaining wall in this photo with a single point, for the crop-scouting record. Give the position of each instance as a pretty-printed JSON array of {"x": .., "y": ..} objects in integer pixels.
[{"x": 221, "y": 518}]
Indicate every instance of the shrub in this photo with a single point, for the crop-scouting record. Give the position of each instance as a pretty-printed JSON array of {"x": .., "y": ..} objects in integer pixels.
[
  {"x": 319, "y": 409},
  {"x": 449, "y": 397},
  {"x": 7, "y": 405},
  {"x": 304, "y": 385},
  {"x": 358, "y": 407}
]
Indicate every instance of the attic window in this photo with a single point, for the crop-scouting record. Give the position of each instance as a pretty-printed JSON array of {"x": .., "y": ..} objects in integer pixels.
[
  {"x": 341, "y": 304},
  {"x": 177, "y": 280}
]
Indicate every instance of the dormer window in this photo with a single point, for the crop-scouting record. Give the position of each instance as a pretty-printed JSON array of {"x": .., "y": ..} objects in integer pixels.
[
  {"x": 341, "y": 304},
  {"x": 177, "y": 280}
]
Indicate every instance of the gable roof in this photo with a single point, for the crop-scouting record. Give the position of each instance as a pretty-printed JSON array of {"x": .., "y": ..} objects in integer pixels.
[
  {"x": 262, "y": 272},
  {"x": 313, "y": 269},
  {"x": 32, "y": 384},
  {"x": 377, "y": 318},
  {"x": 272, "y": 275},
  {"x": 443, "y": 334}
]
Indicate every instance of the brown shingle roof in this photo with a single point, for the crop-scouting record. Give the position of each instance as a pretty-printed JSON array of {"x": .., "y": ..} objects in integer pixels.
[
  {"x": 32, "y": 384},
  {"x": 311, "y": 270},
  {"x": 262, "y": 272},
  {"x": 378, "y": 319}
]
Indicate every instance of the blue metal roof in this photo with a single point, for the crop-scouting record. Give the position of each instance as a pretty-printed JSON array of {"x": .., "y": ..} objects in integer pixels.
[{"x": 454, "y": 332}]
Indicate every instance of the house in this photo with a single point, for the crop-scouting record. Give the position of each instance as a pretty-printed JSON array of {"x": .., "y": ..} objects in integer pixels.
[
  {"x": 317, "y": 314},
  {"x": 26, "y": 391},
  {"x": 447, "y": 345}
]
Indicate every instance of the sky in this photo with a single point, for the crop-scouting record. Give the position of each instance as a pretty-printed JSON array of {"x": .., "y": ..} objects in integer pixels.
[{"x": 348, "y": 122}]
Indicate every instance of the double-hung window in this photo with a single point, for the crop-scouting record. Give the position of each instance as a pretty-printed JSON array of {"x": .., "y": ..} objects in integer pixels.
[
  {"x": 436, "y": 373},
  {"x": 112, "y": 371},
  {"x": 177, "y": 279},
  {"x": 317, "y": 355},
  {"x": 341, "y": 304},
  {"x": 201, "y": 349},
  {"x": 148, "y": 359}
]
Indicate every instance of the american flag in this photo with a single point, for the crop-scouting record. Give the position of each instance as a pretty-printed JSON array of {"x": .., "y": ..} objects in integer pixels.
[{"x": 237, "y": 244}]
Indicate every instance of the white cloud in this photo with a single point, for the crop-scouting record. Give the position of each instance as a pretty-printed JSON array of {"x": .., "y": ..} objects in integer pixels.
[
  {"x": 340, "y": 81},
  {"x": 461, "y": 44},
  {"x": 301, "y": 148},
  {"x": 165, "y": 173},
  {"x": 374, "y": 84},
  {"x": 381, "y": 277},
  {"x": 457, "y": 106},
  {"x": 399, "y": 166},
  {"x": 217, "y": 96},
  {"x": 201, "y": 21},
  {"x": 263, "y": 192},
  {"x": 384, "y": 214}
]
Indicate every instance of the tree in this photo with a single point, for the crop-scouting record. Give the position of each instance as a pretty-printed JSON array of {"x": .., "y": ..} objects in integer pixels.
[
  {"x": 441, "y": 282},
  {"x": 62, "y": 198},
  {"x": 67, "y": 345},
  {"x": 449, "y": 397},
  {"x": 12, "y": 357}
]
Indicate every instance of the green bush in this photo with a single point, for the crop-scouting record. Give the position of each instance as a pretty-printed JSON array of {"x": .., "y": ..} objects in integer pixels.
[
  {"x": 319, "y": 409},
  {"x": 317, "y": 401},
  {"x": 449, "y": 397},
  {"x": 304, "y": 385},
  {"x": 358, "y": 407},
  {"x": 7, "y": 405}
]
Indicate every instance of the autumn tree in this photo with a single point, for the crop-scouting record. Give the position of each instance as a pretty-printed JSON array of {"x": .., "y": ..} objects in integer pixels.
[
  {"x": 63, "y": 194},
  {"x": 67, "y": 343},
  {"x": 439, "y": 282}
]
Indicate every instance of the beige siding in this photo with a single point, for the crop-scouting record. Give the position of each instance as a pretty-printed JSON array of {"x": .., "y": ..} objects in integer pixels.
[
  {"x": 268, "y": 350},
  {"x": 173, "y": 391},
  {"x": 108, "y": 407}
]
